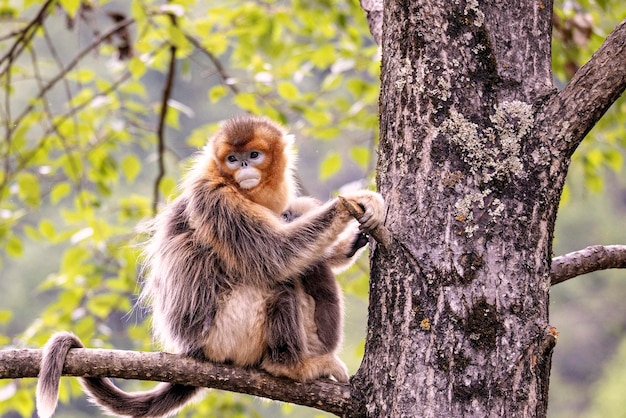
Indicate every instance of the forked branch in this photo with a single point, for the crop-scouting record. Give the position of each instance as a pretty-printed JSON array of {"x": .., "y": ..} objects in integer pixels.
[{"x": 571, "y": 114}]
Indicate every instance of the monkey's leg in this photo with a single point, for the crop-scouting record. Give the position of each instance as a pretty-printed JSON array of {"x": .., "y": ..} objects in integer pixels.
[
  {"x": 310, "y": 368},
  {"x": 319, "y": 282},
  {"x": 285, "y": 339}
]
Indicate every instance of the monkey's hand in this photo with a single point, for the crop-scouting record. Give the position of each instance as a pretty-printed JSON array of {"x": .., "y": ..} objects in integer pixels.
[{"x": 367, "y": 207}]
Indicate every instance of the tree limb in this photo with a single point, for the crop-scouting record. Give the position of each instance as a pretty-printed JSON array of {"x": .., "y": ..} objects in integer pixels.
[
  {"x": 374, "y": 13},
  {"x": 572, "y": 113},
  {"x": 588, "y": 260},
  {"x": 325, "y": 395}
]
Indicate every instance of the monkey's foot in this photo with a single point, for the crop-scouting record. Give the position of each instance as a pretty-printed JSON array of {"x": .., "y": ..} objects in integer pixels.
[{"x": 310, "y": 368}]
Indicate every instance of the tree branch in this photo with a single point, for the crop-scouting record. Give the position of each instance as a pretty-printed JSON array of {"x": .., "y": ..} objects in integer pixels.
[
  {"x": 588, "y": 260},
  {"x": 167, "y": 93},
  {"x": 221, "y": 71},
  {"x": 325, "y": 395},
  {"x": 381, "y": 234},
  {"x": 25, "y": 35},
  {"x": 572, "y": 113}
]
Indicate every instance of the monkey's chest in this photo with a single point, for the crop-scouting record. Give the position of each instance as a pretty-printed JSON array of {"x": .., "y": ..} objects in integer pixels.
[{"x": 238, "y": 331}]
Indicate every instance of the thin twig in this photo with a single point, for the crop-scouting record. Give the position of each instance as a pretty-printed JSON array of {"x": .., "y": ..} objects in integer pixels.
[
  {"x": 55, "y": 128},
  {"x": 226, "y": 79},
  {"x": 25, "y": 36},
  {"x": 61, "y": 75},
  {"x": 381, "y": 234},
  {"x": 167, "y": 92}
]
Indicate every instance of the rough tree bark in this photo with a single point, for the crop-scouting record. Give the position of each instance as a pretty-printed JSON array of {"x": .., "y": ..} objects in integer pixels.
[{"x": 475, "y": 146}]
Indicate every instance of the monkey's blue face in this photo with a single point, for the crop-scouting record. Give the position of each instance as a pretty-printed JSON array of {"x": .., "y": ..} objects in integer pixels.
[{"x": 245, "y": 167}]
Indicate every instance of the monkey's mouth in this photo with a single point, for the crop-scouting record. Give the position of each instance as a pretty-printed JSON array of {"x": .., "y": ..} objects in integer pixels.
[{"x": 249, "y": 182}]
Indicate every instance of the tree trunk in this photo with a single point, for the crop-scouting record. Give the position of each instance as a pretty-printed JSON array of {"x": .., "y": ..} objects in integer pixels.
[{"x": 458, "y": 318}]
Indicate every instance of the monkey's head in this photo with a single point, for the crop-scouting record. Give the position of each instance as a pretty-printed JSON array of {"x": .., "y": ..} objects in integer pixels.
[{"x": 254, "y": 154}]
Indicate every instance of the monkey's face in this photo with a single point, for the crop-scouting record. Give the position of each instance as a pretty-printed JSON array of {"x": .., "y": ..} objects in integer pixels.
[
  {"x": 250, "y": 153},
  {"x": 245, "y": 167},
  {"x": 250, "y": 164}
]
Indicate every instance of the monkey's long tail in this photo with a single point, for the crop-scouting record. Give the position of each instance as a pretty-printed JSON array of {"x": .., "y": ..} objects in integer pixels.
[{"x": 161, "y": 401}]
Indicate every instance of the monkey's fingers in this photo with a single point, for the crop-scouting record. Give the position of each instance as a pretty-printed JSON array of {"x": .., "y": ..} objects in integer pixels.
[
  {"x": 369, "y": 221},
  {"x": 353, "y": 208},
  {"x": 367, "y": 218}
]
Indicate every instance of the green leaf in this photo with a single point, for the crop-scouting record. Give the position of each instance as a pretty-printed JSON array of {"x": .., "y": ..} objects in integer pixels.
[
  {"x": 217, "y": 92},
  {"x": 46, "y": 228},
  {"x": 614, "y": 159},
  {"x": 82, "y": 76},
  {"x": 85, "y": 326},
  {"x": 70, "y": 6},
  {"x": 102, "y": 305},
  {"x": 330, "y": 166},
  {"x": 5, "y": 316},
  {"x": 317, "y": 117},
  {"x": 14, "y": 246},
  {"x": 167, "y": 187},
  {"x": 136, "y": 67},
  {"x": 23, "y": 403},
  {"x": 594, "y": 158},
  {"x": 28, "y": 188},
  {"x": 138, "y": 11},
  {"x": 7, "y": 12},
  {"x": 59, "y": 191},
  {"x": 73, "y": 258},
  {"x": 287, "y": 90},
  {"x": 361, "y": 156},
  {"x": 131, "y": 167},
  {"x": 247, "y": 101}
]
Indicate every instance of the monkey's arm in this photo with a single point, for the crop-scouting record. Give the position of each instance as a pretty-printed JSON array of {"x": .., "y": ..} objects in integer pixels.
[{"x": 254, "y": 243}]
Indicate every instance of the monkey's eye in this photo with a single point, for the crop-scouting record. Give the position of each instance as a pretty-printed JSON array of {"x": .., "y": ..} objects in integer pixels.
[
  {"x": 231, "y": 159},
  {"x": 254, "y": 155}
]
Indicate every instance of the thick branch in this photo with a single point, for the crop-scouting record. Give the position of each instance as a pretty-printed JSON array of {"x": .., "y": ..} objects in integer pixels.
[
  {"x": 588, "y": 260},
  {"x": 322, "y": 394},
  {"x": 572, "y": 113}
]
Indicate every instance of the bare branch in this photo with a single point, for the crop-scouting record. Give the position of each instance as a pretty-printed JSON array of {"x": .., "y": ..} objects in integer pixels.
[
  {"x": 572, "y": 113},
  {"x": 25, "y": 35},
  {"x": 588, "y": 260},
  {"x": 325, "y": 395},
  {"x": 63, "y": 73},
  {"x": 167, "y": 92},
  {"x": 226, "y": 79}
]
